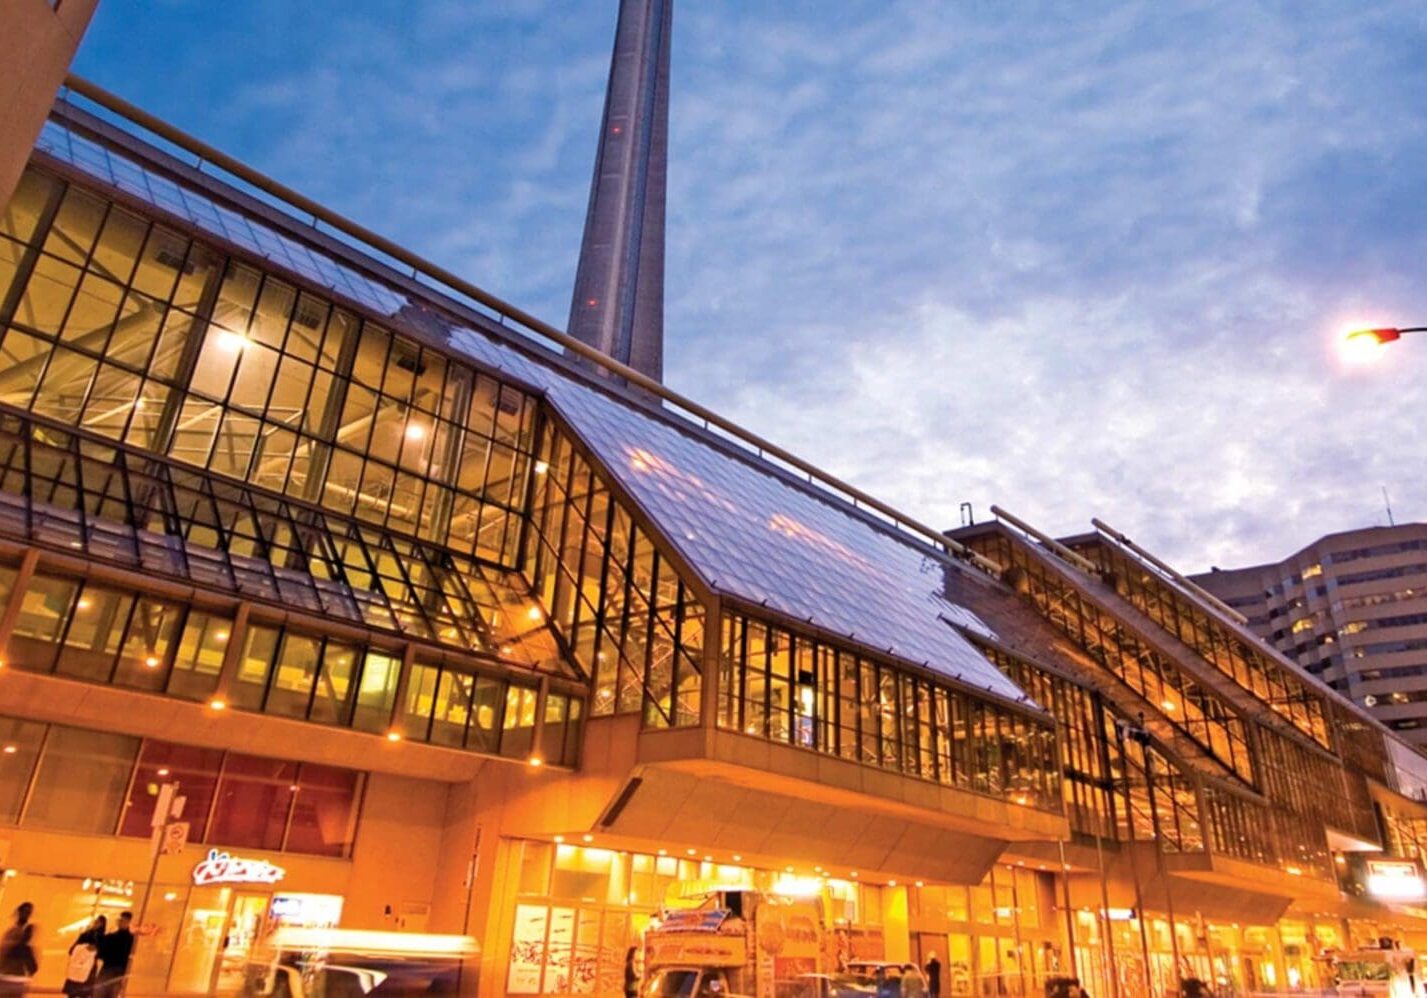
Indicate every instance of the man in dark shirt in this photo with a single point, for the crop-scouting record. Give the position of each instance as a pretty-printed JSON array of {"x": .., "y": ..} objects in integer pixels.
[
  {"x": 114, "y": 951},
  {"x": 933, "y": 976}
]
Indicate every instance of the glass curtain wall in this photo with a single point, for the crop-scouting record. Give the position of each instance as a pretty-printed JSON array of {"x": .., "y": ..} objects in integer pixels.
[
  {"x": 1200, "y": 714},
  {"x": 105, "y": 634},
  {"x": 132, "y": 330},
  {"x": 786, "y": 687},
  {"x": 1251, "y": 668},
  {"x": 98, "y": 783},
  {"x": 630, "y": 619}
]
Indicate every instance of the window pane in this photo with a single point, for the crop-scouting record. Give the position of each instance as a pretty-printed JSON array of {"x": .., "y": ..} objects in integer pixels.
[
  {"x": 19, "y": 748},
  {"x": 20, "y": 216},
  {"x": 322, "y": 816},
  {"x": 517, "y": 736},
  {"x": 42, "y": 617},
  {"x": 331, "y": 703},
  {"x": 453, "y": 708},
  {"x": 254, "y": 797},
  {"x": 143, "y": 662},
  {"x": 377, "y": 692},
  {"x": 292, "y": 681},
  {"x": 81, "y": 781},
  {"x": 420, "y": 699},
  {"x": 259, "y": 646},
  {"x": 100, "y": 616},
  {"x": 200, "y": 656},
  {"x": 195, "y": 770},
  {"x": 486, "y": 709}
]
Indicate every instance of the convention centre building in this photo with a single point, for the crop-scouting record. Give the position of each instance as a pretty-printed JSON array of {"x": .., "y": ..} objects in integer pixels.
[{"x": 440, "y": 622}]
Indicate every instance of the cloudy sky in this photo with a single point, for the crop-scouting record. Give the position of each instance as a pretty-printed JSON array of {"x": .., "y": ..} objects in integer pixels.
[{"x": 1075, "y": 259}]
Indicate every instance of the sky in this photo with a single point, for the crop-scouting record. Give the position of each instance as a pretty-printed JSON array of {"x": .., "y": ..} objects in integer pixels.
[{"x": 1077, "y": 260}]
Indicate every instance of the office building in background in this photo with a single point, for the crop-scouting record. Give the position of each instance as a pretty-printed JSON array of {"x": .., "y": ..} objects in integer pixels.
[{"x": 1350, "y": 609}]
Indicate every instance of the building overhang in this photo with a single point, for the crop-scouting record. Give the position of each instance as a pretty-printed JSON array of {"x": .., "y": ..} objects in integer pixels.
[{"x": 695, "y": 792}]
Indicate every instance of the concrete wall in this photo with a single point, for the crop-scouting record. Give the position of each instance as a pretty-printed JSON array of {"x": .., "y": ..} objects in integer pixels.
[{"x": 37, "y": 42}]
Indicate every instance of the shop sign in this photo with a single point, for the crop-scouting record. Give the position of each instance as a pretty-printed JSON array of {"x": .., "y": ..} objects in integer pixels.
[
  {"x": 1395, "y": 880},
  {"x": 694, "y": 920},
  {"x": 221, "y": 868}
]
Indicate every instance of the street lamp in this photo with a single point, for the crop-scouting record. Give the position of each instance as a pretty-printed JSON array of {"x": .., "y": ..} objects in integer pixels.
[{"x": 1365, "y": 344}]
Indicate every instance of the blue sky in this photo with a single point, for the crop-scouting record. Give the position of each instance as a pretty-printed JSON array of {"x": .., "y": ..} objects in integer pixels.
[{"x": 1075, "y": 259}]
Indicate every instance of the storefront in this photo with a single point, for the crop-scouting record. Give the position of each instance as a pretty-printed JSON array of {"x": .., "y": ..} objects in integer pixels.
[{"x": 261, "y": 842}]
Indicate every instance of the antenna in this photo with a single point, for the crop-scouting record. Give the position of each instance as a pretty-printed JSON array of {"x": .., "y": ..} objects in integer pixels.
[{"x": 1387, "y": 503}]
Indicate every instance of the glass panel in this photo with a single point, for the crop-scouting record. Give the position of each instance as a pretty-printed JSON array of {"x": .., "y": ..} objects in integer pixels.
[
  {"x": 259, "y": 647},
  {"x": 324, "y": 813},
  {"x": 376, "y": 693},
  {"x": 43, "y": 614},
  {"x": 200, "y": 656},
  {"x": 143, "y": 661},
  {"x": 332, "y": 700},
  {"x": 82, "y": 780},
  {"x": 99, "y": 619},
  {"x": 19, "y": 749},
  {"x": 294, "y": 676},
  {"x": 195, "y": 770},
  {"x": 254, "y": 797}
]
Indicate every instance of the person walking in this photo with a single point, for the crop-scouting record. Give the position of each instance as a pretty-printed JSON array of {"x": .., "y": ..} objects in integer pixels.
[
  {"x": 18, "y": 961},
  {"x": 84, "y": 959},
  {"x": 933, "y": 976},
  {"x": 631, "y": 973},
  {"x": 115, "y": 949}
]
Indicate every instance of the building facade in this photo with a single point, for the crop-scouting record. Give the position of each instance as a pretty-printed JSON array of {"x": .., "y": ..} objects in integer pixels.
[
  {"x": 433, "y": 630},
  {"x": 1351, "y": 609}
]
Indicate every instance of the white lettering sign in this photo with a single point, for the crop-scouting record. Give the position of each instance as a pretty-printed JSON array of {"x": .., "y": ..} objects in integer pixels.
[{"x": 221, "y": 868}]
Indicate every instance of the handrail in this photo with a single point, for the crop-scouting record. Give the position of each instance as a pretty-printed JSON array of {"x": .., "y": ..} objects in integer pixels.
[
  {"x": 686, "y": 407},
  {"x": 1084, "y": 564},
  {"x": 1118, "y": 538}
]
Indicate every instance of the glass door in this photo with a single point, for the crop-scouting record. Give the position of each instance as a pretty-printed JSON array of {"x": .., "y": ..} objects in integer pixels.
[{"x": 247, "y": 925}]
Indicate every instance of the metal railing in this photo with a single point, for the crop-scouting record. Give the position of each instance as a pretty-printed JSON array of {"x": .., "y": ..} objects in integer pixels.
[{"x": 309, "y": 214}]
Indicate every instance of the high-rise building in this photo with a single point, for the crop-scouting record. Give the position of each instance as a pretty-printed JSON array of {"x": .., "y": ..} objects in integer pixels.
[
  {"x": 1351, "y": 609},
  {"x": 38, "y": 39},
  {"x": 618, "y": 301},
  {"x": 434, "y": 629}
]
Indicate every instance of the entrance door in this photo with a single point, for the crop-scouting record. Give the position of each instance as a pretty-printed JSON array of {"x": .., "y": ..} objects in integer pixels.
[{"x": 247, "y": 924}]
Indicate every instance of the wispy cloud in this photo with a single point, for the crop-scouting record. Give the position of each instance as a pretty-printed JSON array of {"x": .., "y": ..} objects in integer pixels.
[{"x": 1079, "y": 261}]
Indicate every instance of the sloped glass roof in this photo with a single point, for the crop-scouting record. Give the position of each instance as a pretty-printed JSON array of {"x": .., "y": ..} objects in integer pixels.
[{"x": 748, "y": 531}]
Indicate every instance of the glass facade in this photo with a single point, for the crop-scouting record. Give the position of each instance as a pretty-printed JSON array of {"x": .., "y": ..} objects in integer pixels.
[
  {"x": 631, "y": 620},
  {"x": 789, "y": 688},
  {"x": 1253, "y": 669},
  {"x": 93, "y": 782}
]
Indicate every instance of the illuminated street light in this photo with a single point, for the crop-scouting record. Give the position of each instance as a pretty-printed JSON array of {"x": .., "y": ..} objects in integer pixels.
[{"x": 1361, "y": 345}]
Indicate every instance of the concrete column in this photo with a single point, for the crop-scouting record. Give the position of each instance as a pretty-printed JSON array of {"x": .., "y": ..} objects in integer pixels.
[{"x": 38, "y": 38}]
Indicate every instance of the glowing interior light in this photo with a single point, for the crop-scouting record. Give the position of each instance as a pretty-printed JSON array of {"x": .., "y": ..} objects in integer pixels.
[
  {"x": 541, "y": 467},
  {"x": 231, "y": 341},
  {"x": 798, "y": 887},
  {"x": 163, "y": 772},
  {"x": 393, "y": 736},
  {"x": 1167, "y": 704},
  {"x": 535, "y": 760},
  {"x": 221, "y": 636},
  {"x": 152, "y": 661},
  {"x": 559, "y": 839},
  {"x": 217, "y": 704},
  {"x": 534, "y": 613},
  {"x": 84, "y": 603},
  {"x": 11, "y": 749},
  {"x": 415, "y": 431},
  {"x": 587, "y": 838}
]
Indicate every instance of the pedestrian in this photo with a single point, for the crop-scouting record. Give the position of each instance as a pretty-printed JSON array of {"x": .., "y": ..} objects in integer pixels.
[
  {"x": 912, "y": 985},
  {"x": 933, "y": 976},
  {"x": 115, "y": 949},
  {"x": 84, "y": 959},
  {"x": 631, "y": 973},
  {"x": 18, "y": 962},
  {"x": 1076, "y": 990}
]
